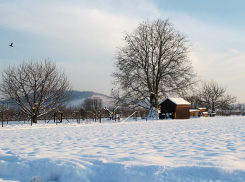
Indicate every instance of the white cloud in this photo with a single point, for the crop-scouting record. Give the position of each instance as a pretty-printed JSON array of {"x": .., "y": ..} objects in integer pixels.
[
  {"x": 218, "y": 51},
  {"x": 73, "y": 27},
  {"x": 87, "y": 38}
]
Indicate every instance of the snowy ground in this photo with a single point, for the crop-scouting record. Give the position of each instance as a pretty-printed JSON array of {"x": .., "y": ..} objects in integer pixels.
[{"x": 199, "y": 149}]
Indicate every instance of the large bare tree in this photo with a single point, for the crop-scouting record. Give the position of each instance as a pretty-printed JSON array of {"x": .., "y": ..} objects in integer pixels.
[
  {"x": 214, "y": 96},
  {"x": 37, "y": 87},
  {"x": 153, "y": 64}
]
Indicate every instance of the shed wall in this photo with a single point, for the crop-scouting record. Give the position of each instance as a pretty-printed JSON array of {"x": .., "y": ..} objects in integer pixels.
[{"x": 182, "y": 112}]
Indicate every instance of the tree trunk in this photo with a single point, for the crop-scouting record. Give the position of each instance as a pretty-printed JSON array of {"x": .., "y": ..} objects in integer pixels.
[
  {"x": 213, "y": 108},
  {"x": 154, "y": 100},
  {"x": 34, "y": 119},
  {"x": 153, "y": 114}
]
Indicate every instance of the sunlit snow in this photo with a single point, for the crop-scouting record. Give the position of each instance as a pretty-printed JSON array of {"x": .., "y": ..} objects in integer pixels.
[{"x": 198, "y": 149}]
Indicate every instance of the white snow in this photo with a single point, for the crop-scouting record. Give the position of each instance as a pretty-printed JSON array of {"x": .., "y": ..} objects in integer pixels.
[
  {"x": 200, "y": 149},
  {"x": 191, "y": 110},
  {"x": 201, "y": 108},
  {"x": 178, "y": 101}
]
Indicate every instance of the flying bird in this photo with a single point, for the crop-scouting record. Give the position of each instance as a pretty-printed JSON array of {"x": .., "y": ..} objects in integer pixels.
[{"x": 11, "y": 45}]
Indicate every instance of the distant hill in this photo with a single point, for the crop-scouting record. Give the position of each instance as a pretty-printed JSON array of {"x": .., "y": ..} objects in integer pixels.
[{"x": 80, "y": 96}]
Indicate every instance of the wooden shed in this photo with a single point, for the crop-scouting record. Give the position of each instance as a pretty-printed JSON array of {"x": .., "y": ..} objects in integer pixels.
[
  {"x": 203, "y": 109},
  {"x": 194, "y": 112},
  {"x": 177, "y": 108}
]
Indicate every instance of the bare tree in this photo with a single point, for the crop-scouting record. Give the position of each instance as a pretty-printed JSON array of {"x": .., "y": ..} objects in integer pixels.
[
  {"x": 152, "y": 65},
  {"x": 194, "y": 99},
  {"x": 36, "y": 87},
  {"x": 111, "y": 112},
  {"x": 242, "y": 108},
  {"x": 226, "y": 101},
  {"x": 214, "y": 96},
  {"x": 92, "y": 105}
]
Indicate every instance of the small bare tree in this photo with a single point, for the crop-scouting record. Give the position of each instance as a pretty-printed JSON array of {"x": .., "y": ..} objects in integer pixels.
[
  {"x": 36, "y": 87},
  {"x": 152, "y": 65},
  {"x": 194, "y": 100},
  {"x": 92, "y": 105},
  {"x": 214, "y": 96},
  {"x": 226, "y": 101},
  {"x": 111, "y": 112}
]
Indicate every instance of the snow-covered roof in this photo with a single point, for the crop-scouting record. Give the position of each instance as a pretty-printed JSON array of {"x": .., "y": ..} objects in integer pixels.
[
  {"x": 178, "y": 101},
  {"x": 192, "y": 110}
]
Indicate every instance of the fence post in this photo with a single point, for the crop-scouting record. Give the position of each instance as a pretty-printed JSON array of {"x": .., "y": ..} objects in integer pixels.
[
  {"x": 100, "y": 116},
  {"x": 2, "y": 117},
  {"x": 57, "y": 118},
  {"x": 79, "y": 116}
]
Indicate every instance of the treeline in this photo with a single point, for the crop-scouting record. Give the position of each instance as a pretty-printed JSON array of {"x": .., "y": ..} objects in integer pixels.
[
  {"x": 90, "y": 108},
  {"x": 93, "y": 108}
]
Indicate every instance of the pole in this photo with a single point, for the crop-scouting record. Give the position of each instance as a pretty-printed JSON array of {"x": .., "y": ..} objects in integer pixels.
[
  {"x": 32, "y": 116},
  {"x": 57, "y": 118},
  {"x": 2, "y": 117},
  {"x": 100, "y": 117}
]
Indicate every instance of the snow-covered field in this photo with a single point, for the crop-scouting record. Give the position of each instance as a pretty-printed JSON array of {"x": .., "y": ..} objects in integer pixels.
[{"x": 199, "y": 149}]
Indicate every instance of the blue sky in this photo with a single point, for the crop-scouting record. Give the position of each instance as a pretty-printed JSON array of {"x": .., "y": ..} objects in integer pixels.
[{"x": 81, "y": 36}]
